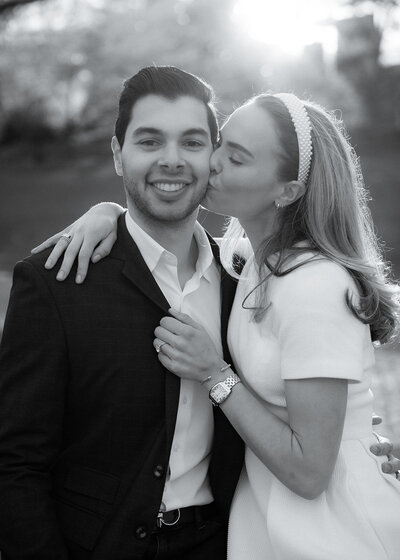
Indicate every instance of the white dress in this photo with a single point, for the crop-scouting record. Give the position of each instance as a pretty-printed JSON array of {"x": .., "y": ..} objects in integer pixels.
[{"x": 309, "y": 332}]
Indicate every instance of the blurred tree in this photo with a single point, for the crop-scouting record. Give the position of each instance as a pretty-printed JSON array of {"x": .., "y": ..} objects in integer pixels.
[
  {"x": 70, "y": 57},
  {"x": 382, "y": 9},
  {"x": 384, "y": 3},
  {"x": 73, "y": 56},
  {"x": 8, "y": 5},
  {"x": 359, "y": 57}
]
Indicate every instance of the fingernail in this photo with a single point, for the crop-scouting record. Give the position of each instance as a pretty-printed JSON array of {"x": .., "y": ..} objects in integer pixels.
[
  {"x": 60, "y": 275},
  {"x": 375, "y": 448},
  {"x": 49, "y": 263},
  {"x": 78, "y": 279},
  {"x": 387, "y": 468},
  {"x": 95, "y": 258}
]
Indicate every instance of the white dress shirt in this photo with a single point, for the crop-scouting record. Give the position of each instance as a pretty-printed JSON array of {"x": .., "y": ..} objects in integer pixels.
[{"x": 187, "y": 482}]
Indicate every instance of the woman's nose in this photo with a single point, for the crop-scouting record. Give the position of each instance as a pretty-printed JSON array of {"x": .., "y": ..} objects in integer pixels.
[{"x": 215, "y": 162}]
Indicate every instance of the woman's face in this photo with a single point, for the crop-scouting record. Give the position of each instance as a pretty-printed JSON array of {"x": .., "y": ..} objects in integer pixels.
[{"x": 243, "y": 181}]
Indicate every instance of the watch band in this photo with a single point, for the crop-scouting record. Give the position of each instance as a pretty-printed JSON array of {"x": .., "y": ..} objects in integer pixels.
[{"x": 231, "y": 380}]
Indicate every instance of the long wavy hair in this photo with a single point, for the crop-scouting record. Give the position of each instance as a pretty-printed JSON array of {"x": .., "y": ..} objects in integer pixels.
[{"x": 331, "y": 220}]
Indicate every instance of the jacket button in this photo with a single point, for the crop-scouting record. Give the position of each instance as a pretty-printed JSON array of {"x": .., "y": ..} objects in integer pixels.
[
  {"x": 158, "y": 471},
  {"x": 141, "y": 532}
]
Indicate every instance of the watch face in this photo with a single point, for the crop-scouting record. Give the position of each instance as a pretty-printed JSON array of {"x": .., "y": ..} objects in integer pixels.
[{"x": 219, "y": 393}]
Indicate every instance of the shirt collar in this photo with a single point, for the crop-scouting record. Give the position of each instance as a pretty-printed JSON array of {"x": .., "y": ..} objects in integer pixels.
[
  {"x": 152, "y": 251},
  {"x": 206, "y": 256}
]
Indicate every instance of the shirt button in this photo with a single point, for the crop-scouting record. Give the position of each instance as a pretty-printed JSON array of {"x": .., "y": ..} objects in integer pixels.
[
  {"x": 176, "y": 447},
  {"x": 184, "y": 400},
  {"x": 158, "y": 471},
  {"x": 141, "y": 533}
]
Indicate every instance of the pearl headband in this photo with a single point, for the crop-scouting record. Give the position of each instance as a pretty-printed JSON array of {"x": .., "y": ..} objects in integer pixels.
[{"x": 302, "y": 125}]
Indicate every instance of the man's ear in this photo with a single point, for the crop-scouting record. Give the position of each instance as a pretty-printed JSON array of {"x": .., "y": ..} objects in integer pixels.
[
  {"x": 291, "y": 192},
  {"x": 116, "y": 150}
]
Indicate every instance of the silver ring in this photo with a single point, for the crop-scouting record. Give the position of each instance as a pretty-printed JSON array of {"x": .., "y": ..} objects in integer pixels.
[
  {"x": 67, "y": 237},
  {"x": 158, "y": 348}
]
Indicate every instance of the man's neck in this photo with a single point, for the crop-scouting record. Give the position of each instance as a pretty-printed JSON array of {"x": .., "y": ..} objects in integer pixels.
[{"x": 175, "y": 237}]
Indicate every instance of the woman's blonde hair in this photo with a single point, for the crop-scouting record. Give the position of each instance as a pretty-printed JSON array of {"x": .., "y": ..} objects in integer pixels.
[{"x": 332, "y": 217}]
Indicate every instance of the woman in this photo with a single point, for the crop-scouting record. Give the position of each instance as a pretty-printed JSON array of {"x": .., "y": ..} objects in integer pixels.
[{"x": 312, "y": 299}]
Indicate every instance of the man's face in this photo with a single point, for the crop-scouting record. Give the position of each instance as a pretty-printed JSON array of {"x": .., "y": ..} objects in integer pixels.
[{"x": 165, "y": 159}]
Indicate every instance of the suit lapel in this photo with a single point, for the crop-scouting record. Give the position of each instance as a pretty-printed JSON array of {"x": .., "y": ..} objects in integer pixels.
[
  {"x": 135, "y": 268},
  {"x": 137, "y": 272}
]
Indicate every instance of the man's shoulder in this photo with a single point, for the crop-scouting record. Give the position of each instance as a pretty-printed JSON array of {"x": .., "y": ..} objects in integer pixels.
[
  {"x": 35, "y": 264},
  {"x": 37, "y": 259}
]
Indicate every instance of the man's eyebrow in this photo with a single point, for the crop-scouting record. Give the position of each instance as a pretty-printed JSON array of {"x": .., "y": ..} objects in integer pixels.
[
  {"x": 146, "y": 130},
  {"x": 196, "y": 131},
  {"x": 152, "y": 130}
]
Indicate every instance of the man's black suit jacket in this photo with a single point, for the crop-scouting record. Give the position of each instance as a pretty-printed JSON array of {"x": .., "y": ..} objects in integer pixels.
[{"x": 87, "y": 412}]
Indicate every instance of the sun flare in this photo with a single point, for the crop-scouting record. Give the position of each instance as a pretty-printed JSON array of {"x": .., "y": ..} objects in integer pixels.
[{"x": 288, "y": 25}]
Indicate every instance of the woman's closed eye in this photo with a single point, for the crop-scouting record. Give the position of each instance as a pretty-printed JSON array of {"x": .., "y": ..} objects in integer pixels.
[{"x": 235, "y": 161}]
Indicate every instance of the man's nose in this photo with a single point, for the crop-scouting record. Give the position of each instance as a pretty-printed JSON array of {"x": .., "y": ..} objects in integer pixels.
[{"x": 171, "y": 158}]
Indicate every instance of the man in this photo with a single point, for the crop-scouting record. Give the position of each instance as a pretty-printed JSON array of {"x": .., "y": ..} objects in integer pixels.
[{"x": 103, "y": 454}]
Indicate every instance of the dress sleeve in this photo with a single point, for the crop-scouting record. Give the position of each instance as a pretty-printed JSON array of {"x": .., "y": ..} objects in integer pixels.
[{"x": 318, "y": 334}]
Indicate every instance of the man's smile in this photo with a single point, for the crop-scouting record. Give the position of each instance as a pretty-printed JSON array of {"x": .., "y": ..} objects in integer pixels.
[{"x": 170, "y": 185}]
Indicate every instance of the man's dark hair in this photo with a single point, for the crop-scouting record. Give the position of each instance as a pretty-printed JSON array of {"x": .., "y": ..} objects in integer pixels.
[{"x": 169, "y": 82}]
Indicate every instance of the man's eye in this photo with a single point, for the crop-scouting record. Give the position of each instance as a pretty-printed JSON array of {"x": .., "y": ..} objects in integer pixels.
[
  {"x": 194, "y": 143},
  {"x": 149, "y": 143}
]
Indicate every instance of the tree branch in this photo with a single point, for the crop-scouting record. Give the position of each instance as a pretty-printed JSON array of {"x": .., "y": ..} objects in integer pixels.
[{"x": 7, "y": 5}]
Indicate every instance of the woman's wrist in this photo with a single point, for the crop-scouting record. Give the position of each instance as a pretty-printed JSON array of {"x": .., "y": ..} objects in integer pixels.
[
  {"x": 219, "y": 374},
  {"x": 114, "y": 207}
]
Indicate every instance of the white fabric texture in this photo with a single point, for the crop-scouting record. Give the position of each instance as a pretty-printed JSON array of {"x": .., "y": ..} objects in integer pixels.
[
  {"x": 307, "y": 332},
  {"x": 187, "y": 482}
]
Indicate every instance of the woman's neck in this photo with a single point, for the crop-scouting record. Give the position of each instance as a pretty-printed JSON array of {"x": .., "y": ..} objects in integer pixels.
[{"x": 258, "y": 231}]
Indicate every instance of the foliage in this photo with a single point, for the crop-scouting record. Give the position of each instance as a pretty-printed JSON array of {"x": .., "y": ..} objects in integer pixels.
[
  {"x": 8, "y": 5},
  {"x": 27, "y": 124},
  {"x": 70, "y": 57},
  {"x": 384, "y": 3}
]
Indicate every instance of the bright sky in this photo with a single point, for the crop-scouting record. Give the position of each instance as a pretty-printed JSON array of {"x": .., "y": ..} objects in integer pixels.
[
  {"x": 290, "y": 25},
  {"x": 287, "y": 25}
]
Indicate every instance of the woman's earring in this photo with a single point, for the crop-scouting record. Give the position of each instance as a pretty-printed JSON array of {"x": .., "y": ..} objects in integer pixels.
[{"x": 277, "y": 204}]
